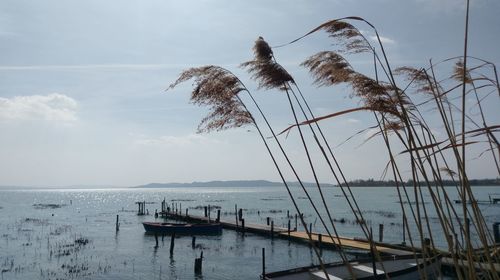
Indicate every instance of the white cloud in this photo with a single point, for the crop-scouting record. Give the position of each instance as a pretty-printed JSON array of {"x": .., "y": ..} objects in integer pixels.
[
  {"x": 351, "y": 120},
  {"x": 51, "y": 107},
  {"x": 384, "y": 40}
]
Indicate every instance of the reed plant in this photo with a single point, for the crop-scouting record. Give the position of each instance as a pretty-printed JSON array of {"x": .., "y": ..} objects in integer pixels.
[{"x": 399, "y": 100}]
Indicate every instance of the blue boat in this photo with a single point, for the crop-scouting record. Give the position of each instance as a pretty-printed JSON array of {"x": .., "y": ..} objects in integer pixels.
[{"x": 182, "y": 228}]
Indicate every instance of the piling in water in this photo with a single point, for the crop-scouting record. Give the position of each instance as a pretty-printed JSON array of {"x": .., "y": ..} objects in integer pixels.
[
  {"x": 172, "y": 240},
  {"x": 263, "y": 261},
  {"x": 198, "y": 264},
  {"x": 117, "y": 225},
  {"x": 380, "y": 233},
  {"x": 496, "y": 232}
]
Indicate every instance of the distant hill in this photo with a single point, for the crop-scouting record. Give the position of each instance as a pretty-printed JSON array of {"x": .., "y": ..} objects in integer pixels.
[{"x": 237, "y": 183}]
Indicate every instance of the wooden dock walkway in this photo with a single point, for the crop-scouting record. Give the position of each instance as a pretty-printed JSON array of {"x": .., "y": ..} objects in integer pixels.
[{"x": 321, "y": 240}]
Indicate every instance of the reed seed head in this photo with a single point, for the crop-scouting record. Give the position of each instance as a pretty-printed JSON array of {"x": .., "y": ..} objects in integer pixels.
[
  {"x": 262, "y": 50},
  {"x": 329, "y": 68},
  {"x": 216, "y": 88}
]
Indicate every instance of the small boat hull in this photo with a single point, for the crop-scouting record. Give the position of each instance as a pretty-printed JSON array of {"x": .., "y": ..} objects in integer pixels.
[
  {"x": 400, "y": 268},
  {"x": 182, "y": 229}
]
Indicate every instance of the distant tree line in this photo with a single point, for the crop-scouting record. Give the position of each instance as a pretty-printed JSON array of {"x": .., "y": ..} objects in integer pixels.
[{"x": 391, "y": 183}]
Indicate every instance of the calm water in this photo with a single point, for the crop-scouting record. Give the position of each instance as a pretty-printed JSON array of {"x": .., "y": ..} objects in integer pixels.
[{"x": 75, "y": 237}]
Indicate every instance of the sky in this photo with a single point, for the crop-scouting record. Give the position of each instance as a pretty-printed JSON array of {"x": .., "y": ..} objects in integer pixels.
[{"x": 82, "y": 84}]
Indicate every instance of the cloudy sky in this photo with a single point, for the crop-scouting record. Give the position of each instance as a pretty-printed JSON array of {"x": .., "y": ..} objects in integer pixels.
[{"x": 82, "y": 98}]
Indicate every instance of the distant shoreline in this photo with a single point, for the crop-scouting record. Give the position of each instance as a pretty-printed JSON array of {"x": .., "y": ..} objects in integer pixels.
[
  {"x": 264, "y": 183},
  {"x": 251, "y": 183}
]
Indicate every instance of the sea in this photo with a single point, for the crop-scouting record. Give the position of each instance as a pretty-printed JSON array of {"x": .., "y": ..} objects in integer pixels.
[{"x": 71, "y": 233}]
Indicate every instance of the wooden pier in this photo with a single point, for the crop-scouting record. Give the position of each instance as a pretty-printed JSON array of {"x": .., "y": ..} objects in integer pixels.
[{"x": 321, "y": 240}]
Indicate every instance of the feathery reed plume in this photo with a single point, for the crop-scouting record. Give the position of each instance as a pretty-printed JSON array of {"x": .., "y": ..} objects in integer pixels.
[
  {"x": 268, "y": 74},
  {"x": 460, "y": 73},
  {"x": 417, "y": 78},
  {"x": 348, "y": 37},
  {"x": 329, "y": 68},
  {"x": 263, "y": 69},
  {"x": 217, "y": 88},
  {"x": 262, "y": 50}
]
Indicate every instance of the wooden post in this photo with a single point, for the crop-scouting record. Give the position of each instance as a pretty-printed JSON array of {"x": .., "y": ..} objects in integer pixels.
[
  {"x": 467, "y": 230},
  {"x": 268, "y": 220},
  {"x": 427, "y": 246},
  {"x": 272, "y": 229},
  {"x": 287, "y": 214},
  {"x": 240, "y": 214},
  {"x": 243, "y": 225},
  {"x": 156, "y": 239},
  {"x": 310, "y": 228},
  {"x": 263, "y": 262},
  {"x": 180, "y": 208},
  {"x": 209, "y": 210},
  {"x": 187, "y": 212},
  {"x": 218, "y": 215},
  {"x": 404, "y": 230},
  {"x": 236, "y": 214},
  {"x": 289, "y": 229},
  {"x": 380, "y": 233},
  {"x": 496, "y": 232},
  {"x": 172, "y": 240},
  {"x": 117, "y": 223},
  {"x": 295, "y": 221},
  {"x": 198, "y": 264},
  {"x": 193, "y": 242},
  {"x": 206, "y": 211},
  {"x": 320, "y": 240}
]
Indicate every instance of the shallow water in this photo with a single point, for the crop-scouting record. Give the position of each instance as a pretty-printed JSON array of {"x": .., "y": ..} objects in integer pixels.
[{"x": 70, "y": 234}]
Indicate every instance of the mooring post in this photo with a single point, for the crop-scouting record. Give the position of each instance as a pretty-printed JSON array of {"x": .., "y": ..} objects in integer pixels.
[
  {"x": 117, "y": 223},
  {"x": 218, "y": 215},
  {"x": 172, "y": 240},
  {"x": 287, "y": 214},
  {"x": 198, "y": 264},
  {"x": 263, "y": 262},
  {"x": 209, "y": 210},
  {"x": 187, "y": 212},
  {"x": 240, "y": 214},
  {"x": 496, "y": 232},
  {"x": 310, "y": 228},
  {"x": 288, "y": 229},
  {"x": 427, "y": 246},
  {"x": 206, "y": 211},
  {"x": 295, "y": 221},
  {"x": 404, "y": 230},
  {"x": 243, "y": 225},
  {"x": 193, "y": 242},
  {"x": 272, "y": 229},
  {"x": 268, "y": 219},
  {"x": 236, "y": 214},
  {"x": 380, "y": 233},
  {"x": 467, "y": 230}
]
